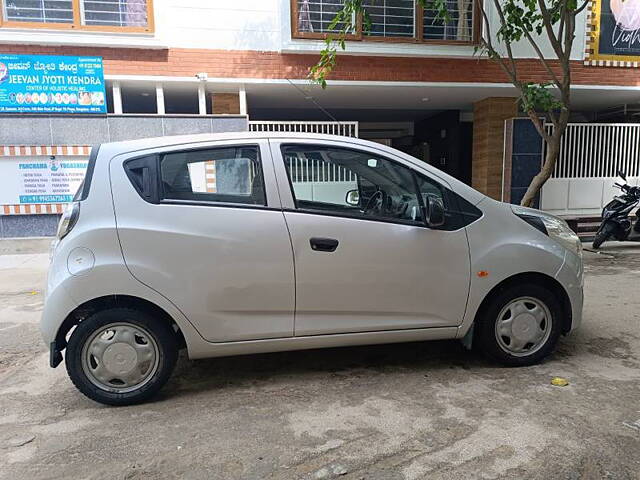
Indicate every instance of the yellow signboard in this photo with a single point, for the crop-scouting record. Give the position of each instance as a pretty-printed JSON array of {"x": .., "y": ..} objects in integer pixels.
[{"x": 614, "y": 33}]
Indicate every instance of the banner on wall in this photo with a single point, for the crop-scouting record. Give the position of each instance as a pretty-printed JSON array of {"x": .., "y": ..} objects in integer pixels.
[
  {"x": 615, "y": 32},
  {"x": 38, "y": 180},
  {"x": 51, "y": 84}
]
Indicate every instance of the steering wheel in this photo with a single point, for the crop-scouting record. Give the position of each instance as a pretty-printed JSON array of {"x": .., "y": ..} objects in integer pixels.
[{"x": 376, "y": 200}]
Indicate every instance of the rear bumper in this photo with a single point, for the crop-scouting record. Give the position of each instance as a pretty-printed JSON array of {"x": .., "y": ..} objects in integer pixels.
[
  {"x": 55, "y": 355},
  {"x": 58, "y": 305}
]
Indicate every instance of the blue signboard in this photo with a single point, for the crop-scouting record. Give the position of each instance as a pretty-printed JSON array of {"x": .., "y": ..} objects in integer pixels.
[{"x": 51, "y": 84}]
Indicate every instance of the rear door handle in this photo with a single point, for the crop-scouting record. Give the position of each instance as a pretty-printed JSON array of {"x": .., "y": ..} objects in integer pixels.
[{"x": 323, "y": 244}]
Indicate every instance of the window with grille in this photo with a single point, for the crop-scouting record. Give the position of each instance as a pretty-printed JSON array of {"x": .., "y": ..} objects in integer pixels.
[
  {"x": 40, "y": 11},
  {"x": 315, "y": 16},
  {"x": 87, "y": 14},
  {"x": 459, "y": 27},
  {"x": 391, "y": 18},
  {"x": 120, "y": 13}
]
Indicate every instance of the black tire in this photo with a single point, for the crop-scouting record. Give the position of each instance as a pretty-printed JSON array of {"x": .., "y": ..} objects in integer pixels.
[
  {"x": 165, "y": 340},
  {"x": 603, "y": 234},
  {"x": 485, "y": 328}
]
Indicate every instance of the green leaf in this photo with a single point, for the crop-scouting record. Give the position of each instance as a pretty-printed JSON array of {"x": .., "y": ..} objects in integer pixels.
[{"x": 538, "y": 97}]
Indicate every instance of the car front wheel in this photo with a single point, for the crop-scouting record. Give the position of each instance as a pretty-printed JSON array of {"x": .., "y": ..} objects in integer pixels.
[
  {"x": 520, "y": 326},
  {"x": 121, "y": 356}
]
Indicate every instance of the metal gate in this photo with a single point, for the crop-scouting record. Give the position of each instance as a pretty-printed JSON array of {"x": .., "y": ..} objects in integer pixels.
[
  {"x": 347, "y": 129},
  {"x": 590, "y": 155}
]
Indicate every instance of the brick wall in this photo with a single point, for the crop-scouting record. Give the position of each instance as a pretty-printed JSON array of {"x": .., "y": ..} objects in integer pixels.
[{"x": 253, "y": 64}]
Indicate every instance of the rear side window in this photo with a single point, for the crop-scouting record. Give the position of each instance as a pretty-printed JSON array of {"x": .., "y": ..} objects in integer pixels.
[{"x": 228, "y": 175}]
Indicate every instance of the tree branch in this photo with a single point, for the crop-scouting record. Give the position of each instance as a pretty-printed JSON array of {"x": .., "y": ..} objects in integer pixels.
[
  {"x": 563, "y": 10},
  {"x": 506, "y": 41},
  {"x": 543, "y": 60},
  {"x": 546, "y": 20},
  {"x": 569, "y": 36},
  {"x": 582, "y": 7},
  {"x": 539, "y": 125}
]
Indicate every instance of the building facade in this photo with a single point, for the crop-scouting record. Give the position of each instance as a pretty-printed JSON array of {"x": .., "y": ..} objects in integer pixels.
[{"x": 411, "y": 81}]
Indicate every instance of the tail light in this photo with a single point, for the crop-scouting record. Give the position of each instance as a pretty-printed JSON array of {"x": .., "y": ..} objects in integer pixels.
[{"x": 68, "y": 220}]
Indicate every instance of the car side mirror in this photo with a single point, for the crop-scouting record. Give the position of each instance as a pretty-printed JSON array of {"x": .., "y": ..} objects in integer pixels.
[
  {"x": 433, "y": 211},
  {"x": 352, "y": 198},
  {"x": 622, "y": 175}
]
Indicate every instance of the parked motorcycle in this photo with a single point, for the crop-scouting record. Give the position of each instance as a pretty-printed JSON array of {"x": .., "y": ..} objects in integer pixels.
[{"x": 615, "y": 215}]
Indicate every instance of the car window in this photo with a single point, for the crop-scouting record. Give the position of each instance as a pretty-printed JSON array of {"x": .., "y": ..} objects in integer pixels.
[
  {"x": 230, "y": 175},
  {"x": 350, "y": 182},
  {"x": 427, "y": 187}
]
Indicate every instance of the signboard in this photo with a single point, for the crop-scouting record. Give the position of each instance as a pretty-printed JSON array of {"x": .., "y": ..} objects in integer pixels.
[
  {"x": 40, "y": 179},
  {"x": 51, "y": 84},
  {"x": 615, "y": 32}
]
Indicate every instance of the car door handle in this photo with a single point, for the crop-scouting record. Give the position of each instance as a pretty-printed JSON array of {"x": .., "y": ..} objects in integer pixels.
[{"x": 323, "y": 244}]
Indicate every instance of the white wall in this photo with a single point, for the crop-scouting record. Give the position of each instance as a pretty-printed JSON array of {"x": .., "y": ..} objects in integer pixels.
[
  {"x": 579, "y": 196},
  {"x": 262, "y": 25},
  {"x": 202, "y": 24},
  {"x": 220, "y": 24},
  {"x": 523, "y": 49}
]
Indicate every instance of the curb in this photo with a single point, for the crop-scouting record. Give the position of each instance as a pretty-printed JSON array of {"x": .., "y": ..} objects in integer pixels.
[{"x": 26, "y": 245}]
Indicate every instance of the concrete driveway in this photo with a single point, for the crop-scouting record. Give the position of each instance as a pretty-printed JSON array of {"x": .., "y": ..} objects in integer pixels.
[{"x": 408, "y": 411}]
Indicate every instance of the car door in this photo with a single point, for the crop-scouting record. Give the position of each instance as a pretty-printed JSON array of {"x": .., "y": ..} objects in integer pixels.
[
  {"x": 364, "y": 258},
  {"x": 202, "y": 225}
]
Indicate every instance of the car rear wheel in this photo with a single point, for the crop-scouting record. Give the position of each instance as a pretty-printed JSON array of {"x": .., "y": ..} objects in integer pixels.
[
  {"x": 520, "y": 326},
  {"x": 121, "y": 356}
]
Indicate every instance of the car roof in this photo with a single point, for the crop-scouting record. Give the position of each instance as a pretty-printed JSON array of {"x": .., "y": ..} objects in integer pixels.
[{"x": 173, "y": 140}]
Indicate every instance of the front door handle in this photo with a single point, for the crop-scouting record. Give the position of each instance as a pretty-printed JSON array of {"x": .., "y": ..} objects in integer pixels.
[{"x": 323, "y": 244}]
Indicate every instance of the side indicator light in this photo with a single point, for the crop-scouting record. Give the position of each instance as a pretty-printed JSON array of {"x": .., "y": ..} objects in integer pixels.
[{"x": 483, "y": 273}]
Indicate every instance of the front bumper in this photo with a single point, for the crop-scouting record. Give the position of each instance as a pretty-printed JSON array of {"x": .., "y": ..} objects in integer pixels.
[{"x": 571, "y": 277}]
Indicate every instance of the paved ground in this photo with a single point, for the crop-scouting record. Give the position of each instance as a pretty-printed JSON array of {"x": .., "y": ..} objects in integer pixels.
[{"x": 428, "y": 410}]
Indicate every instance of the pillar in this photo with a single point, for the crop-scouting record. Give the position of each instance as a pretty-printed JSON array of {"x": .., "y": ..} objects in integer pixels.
[{"x": 489, "y": 117}]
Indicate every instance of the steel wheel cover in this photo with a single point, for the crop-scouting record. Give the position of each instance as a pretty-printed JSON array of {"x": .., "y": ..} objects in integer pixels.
[
  {"x": 120, "y": 357},
  {"x": 523, "y": 326}
]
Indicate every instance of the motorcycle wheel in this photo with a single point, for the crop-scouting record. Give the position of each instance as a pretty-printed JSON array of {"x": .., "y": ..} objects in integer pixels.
[{"x": 603, "y": 235}]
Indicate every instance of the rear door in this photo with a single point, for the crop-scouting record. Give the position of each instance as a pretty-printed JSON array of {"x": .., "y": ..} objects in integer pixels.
[
  {"x": 202, "y": 225},
  {"x": 364, "y": 259}
]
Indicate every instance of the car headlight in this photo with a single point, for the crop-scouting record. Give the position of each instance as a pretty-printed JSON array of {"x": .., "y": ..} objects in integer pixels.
[{"x": 556, "y": 228}]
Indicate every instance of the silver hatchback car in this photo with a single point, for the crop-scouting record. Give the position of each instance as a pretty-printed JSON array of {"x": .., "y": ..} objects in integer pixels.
[{"x": 259, "y": 242}]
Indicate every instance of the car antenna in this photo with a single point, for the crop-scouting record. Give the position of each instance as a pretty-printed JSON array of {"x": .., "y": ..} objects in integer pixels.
[{"x": 313, "y": 100}]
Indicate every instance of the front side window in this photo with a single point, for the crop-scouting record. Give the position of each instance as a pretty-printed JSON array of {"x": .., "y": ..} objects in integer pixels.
[
  {"x": 227, "y": 175},
  {"x": 354, "y": 183},
  {"x": 89, "y": 14}
]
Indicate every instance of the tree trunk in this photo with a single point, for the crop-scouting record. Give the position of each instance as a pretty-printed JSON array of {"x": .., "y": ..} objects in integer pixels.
[
  {"x": 551, "y": 157},
  {"x": 553, "y": 147}
]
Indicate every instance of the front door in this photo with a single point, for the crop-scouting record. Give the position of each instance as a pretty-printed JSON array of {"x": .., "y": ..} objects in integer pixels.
[
  {"x": 214, "y": 241},
  {"x": 364, "y": 259}
]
